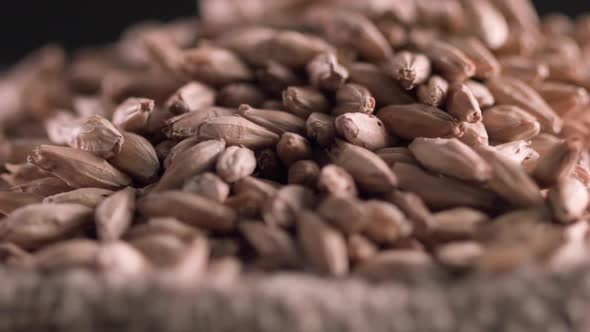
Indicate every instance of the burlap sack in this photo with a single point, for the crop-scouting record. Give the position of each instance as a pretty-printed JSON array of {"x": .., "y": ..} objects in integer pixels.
[{"x": 77, "y": 301}]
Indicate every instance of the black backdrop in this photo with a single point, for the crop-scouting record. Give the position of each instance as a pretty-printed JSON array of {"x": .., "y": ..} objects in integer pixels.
[{"x": 26, "y": 24}]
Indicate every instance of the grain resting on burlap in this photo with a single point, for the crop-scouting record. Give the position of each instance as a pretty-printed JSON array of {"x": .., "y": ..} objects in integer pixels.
[{"x": 298, "y": 165}]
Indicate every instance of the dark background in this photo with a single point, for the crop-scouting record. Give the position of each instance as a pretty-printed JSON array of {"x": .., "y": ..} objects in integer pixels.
[{"x": 26, "y": 24}]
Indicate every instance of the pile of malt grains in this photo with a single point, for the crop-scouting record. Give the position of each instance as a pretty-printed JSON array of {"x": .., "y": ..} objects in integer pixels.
[{"x": 339, "y": 138}]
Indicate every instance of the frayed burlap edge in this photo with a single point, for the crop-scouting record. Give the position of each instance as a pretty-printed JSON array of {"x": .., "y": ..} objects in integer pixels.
[{"x": 79, "y": 301}]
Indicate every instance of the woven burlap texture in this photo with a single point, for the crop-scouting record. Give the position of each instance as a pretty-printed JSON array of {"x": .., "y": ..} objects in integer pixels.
[{"x": 78, "y": 301}]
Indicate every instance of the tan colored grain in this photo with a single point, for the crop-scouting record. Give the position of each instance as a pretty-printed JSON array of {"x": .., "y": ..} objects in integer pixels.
[
  {"x": 192, "y": 97},
  {"x": 90, "y": 197},
  {"x": 137, "y": 158},
  {"x": 305, "y": 173},
  {"x": 349, "y": 28},
  {"x": 193, "y": 161},
  {"x": 482, "y": 94},
  {"x": 506, "y": 123},
  {"x": 515, "y": 92},
  {"x": 568, "y": 199},
  {"x": 353, "y": 98},
  {"x": 450, "y": 157},
  {"x": 324, "y": 247},
  {"x": 303, "y": 101},
  {"x": 385, "y": 223},
  {"x": 188, "y": 208},
  {"x": 36, "y": 225},
  {"x": 114, "y": 215},
  {"x": 187, "y": 125},
  {"x": 391, "y": 263},
  {"x": 369, "y": 171},
  {"x": 450, "y": 61},
  {"x": 363, "y": 130},
  {"x": 44, "y": 187},
  {"x": 278, "y": 122},
  {"x": 419, "y": 120},
  {"x": 208, "y": 185},
  {"x": 235, "y": 163},
  {"x": 292, "y": 148},
  {"x": 10, "y": 201},
  {"x": 441, "y": 192},
  {"x": 273, "y": 245},
  {"x": 486, "y": 22},
  {"x": 236, "y": 94},
  {"x": 510, "y": 180},
  {"x": 282, "y": 208},
  {"x": 457, "y": 224},
  {"x": 321, "y": 128},
  {"x": 347, "y": 214},
  {"x": 360, "y": 249},
  {"x": 238, "y": 131},
  {"x": 523, "y": 69},
  {"x": 78, "y": 168},
  {"x": 133, "y": 114},
  {"x": 558, "y": 162},
  {"x": 410, "y": 69},
  {"x": 434, "y": 92},
  {"x": 384, "y": 89}
]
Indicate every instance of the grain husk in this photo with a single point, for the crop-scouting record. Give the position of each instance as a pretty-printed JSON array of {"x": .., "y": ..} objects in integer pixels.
[
  {"x": 515, "y": 92},
  {"x": 558, "y": 162},
  {"x": 278, "y": 122},
  {"x": 273, "y": 245},
  {"x": 347, "y": 214},
  {"x": 441, "y": 192},
  {"x": 323, "y": 246},
  {"x": 187, "y": 125},
  {"x": 90, "y": 197},
  {"x": 188, "y": 208},
  {"x": 114, "y": 215},
  {"x": 370, "y": 172},
  {"x": 208, "y": 185},
  {"x": 235, "y": 163},
  {"x": 321, "y": 128},
  {"x": 410, "y": 69},
  {"x": 341, "y": 27},
  {"x": 132, "y": 115},
  {"x": 303, "y": 101},
  {"x": 462, "y": 104},
  {"x": 510, "y": 180},
  {"x": 78, "y": 168},
  {"x": 384, "y": 89},
  {"x": 193, "y": 161},
  {"x": 192, "y": 97},
  {"x": 235, "y": 94},
  {"x": 419, "y": 120},
  {"x": 434, "y": 92},
  {"x": 363, "y": 130},
  {"x": 568, "y": 200},
  {"x": 506, "y": 123},
  {"x": 451, "y": 157},
  {"x": 36, "y": 225},
  {"x": 137, "y": 158},
  {"x": 10, "y": 201},
  {"x": 353, "y": 98},
  {"x": 284, "y": 206},
  {"x": 486, "y": 64},
  {"x": 386, "y": 224},
  {"x": 326, "y": 73},
  {"x": 304, "y": 172},
  {"x": 238, "y": 131}
]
